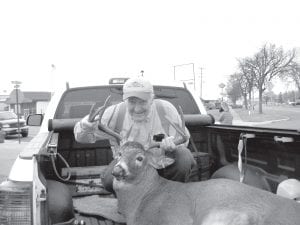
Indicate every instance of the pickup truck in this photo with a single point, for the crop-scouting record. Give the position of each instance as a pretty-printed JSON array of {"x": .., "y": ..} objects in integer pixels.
[
  {"x": 9, "y": 124},
  {"x": 54, "y": 172}
]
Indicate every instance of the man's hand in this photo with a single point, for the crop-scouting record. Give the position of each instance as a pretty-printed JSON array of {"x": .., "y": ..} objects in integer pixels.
[
  {"x": 86, "y": 125},
  {"x": 167, "y": 144}
]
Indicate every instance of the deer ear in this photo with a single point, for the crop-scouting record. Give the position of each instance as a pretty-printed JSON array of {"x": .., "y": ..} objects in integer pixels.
[{"x": 159, "y": 161}]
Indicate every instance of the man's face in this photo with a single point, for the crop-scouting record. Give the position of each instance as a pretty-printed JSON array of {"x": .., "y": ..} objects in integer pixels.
[{"x": 138, "y": 108}]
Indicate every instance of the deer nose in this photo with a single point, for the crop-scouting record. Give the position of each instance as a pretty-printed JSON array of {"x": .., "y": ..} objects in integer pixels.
[{"x": 118, "y": 171}]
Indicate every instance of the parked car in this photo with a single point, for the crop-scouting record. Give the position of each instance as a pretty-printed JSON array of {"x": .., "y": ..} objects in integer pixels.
[
  {"x": 54, "y": 170},
  {"x": 296, "y": 102},
  {"x": 9, "y": 124}
]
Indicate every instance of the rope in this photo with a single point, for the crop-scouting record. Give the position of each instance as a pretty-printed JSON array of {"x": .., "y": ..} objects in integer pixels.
[
  {"x": 241, "y": 146},
  {"x": 52, "y": 157}
]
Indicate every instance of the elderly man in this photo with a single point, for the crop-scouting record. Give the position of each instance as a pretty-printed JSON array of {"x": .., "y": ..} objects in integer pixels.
[{"x": 140, "y": 118}]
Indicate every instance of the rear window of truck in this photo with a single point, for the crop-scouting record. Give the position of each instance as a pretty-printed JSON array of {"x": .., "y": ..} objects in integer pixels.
[{"x": 77, "y": 102}]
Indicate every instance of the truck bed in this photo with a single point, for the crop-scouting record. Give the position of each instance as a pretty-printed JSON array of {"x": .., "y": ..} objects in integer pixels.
[{"x": 267, "y": 151}]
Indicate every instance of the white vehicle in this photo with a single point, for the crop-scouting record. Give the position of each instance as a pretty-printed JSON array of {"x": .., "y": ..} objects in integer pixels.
[{"x": 56, "y": 180}]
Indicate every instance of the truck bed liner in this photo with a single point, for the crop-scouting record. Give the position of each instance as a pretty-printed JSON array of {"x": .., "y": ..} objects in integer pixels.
[{"x": 95, "y": 220}]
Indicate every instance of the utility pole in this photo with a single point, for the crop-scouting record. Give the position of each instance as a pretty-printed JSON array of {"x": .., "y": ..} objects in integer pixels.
[
  {"x": 17, "y": 85},
  {"x": 52, "y": 79},
  {"x": 194, "y": 77},
  {"x": 201, "y": 82},
  {"x": 174, "y": 72}
]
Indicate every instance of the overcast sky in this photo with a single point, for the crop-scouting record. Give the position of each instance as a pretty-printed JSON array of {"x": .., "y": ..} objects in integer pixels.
[{"x": 91, "y": 41}]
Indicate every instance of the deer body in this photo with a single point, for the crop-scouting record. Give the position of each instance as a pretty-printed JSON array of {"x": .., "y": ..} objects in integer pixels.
[{"x": 146, "y": 198}]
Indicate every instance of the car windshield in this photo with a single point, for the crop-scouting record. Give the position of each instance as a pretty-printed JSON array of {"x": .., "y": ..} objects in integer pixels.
[
  {"x": 76, "y": 103},
  {"x": 7, "y": 115}
]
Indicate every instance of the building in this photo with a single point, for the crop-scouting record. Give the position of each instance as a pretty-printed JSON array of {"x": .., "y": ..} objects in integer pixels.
[
  {"x": 29, "y": 102},
  {"x": 3, "y": 105}
]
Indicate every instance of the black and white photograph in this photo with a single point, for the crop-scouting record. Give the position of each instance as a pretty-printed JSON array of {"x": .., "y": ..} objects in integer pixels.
[{"x": 149, "y": 112}]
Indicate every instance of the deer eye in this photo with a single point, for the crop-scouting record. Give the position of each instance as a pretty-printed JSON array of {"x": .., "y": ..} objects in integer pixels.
[{"x": 139, "y": 158}]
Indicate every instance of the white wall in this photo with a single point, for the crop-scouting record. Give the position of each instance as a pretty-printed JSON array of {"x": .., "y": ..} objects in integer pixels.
[{"x": 41, "y": 107}]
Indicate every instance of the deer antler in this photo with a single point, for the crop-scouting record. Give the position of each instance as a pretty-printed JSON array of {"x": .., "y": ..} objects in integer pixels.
[
  {"x": 94, "y": 112},
  {"x": 96, "y": 115},
  {"x": 180, "y": 130}
]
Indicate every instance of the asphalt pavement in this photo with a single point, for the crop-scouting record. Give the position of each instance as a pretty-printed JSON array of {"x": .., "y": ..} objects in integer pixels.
[
  {"x": 10, "y": 149},
  {"x": 282, "y": 115}
]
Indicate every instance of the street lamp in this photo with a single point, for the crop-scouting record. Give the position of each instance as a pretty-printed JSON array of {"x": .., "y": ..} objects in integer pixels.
[
  {"x": 221, "y": 85},
  {"x": 16, "y": 86},
  {"x": 52, "y": 79}
]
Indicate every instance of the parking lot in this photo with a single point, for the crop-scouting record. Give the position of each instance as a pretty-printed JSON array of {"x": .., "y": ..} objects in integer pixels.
[{"x": 10, "y": 149}]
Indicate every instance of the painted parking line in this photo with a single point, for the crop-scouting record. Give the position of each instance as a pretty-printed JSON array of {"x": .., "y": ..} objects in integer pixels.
[
  {"x": 15, "y": 141},
  {"x": 10, "y": 141}
]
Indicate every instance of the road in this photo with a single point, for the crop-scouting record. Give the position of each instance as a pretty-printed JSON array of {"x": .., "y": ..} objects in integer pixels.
[
  {"x": 10, "y": 149},
  {"x": 291, "y": 115}
]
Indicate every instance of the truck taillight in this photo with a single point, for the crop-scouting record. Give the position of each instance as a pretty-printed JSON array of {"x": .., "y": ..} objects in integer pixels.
[{"x": 16, "y": 203}]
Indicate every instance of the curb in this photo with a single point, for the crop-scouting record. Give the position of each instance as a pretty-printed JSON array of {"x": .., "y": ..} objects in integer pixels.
[
  {"x": 241, "y": 122},
  {"x": 238, "y": 121}
]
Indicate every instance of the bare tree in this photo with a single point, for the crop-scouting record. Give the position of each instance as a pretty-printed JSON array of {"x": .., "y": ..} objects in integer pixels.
[
  {"x": 269, "y": 94},
  {"x": 294, "y": 73},
  {"x": 234, "y": 89},
  {"x": 266, "y": 64},
  {"x": 237, "y": 87},
  {"x": 247, "y": 78}
]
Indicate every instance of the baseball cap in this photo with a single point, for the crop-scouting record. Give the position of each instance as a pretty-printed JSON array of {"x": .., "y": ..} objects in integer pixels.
[{"x": 137, "y": 87}]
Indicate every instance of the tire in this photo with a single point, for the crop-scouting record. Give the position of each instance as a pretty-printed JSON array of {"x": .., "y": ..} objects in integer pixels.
[{"x": 25, "y": 134}]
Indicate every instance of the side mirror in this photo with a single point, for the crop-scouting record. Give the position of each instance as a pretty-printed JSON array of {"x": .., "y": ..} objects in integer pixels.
[{"x": 35, "y": 120}]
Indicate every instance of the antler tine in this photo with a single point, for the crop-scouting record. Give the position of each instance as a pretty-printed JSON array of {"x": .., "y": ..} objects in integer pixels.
[
  {"x": 100, "y": 112},
  {"x": 181, "y": 117},
  {"x": 181, "y": 131},
  {"x": 105, "y": 105},
  {"x": 109, "y": 131}
]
